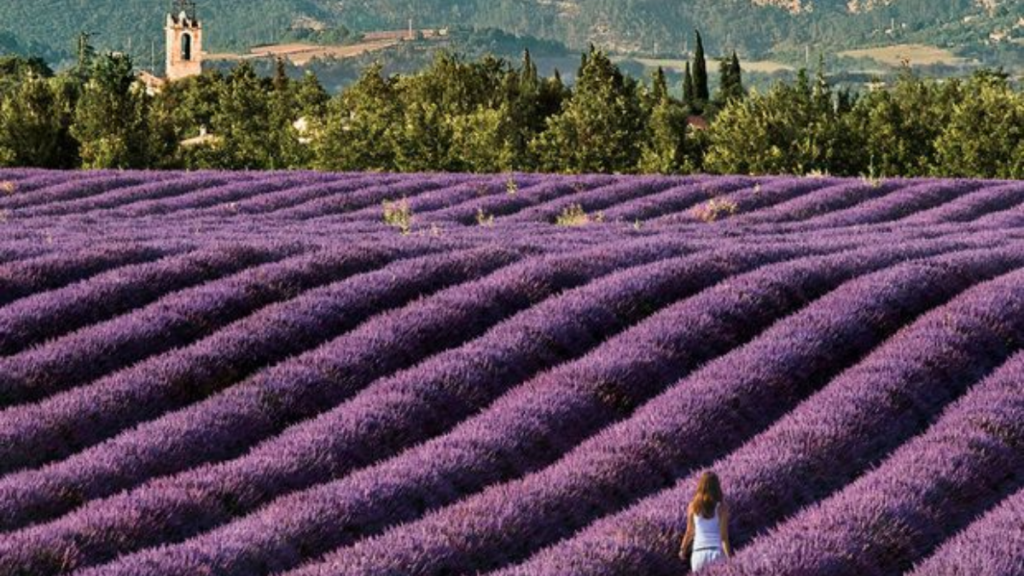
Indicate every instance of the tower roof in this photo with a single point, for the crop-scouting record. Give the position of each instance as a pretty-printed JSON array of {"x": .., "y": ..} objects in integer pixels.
[{"x": 183, "y": 7}]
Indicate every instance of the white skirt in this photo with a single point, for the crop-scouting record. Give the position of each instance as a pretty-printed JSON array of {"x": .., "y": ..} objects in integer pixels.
[{"x": 704, "y": 557}]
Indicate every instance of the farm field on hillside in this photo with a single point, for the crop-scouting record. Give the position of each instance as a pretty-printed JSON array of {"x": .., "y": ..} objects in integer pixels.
[
  {"x": 915, "y": 54},
  {"x": 308, "y": 374}
]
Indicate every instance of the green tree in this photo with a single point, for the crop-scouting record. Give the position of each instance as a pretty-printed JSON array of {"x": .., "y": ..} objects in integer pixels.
[
  {"x": 85, "y": 54},
  {"x": 984, "y": 137},
  {"x": 792, "y": 129},
  {"x": 110, "y": 121},
  {"x": 183, "y": 110},
  {"x": 663, "y": 149},
  {"x": 899, "y": 126},
  {"x": 600, "y": 127},
  {"x": 361, "y": 126},
  {"x": 425, "y": 144},
  {"x": 730, "y": 86},
  {"x": 310, "y": 96},
  {"x": 528, "y": 102},
  {"x": 701, "y": 93},
  {"x": 243, "y": 125},
  {"x": 33, "y": 131},
  {"x": 659, "y": 86},
  {"x": 16, "y": 69},
  {"x": 480, "y": 143},
  {"x": 689, "y": 92}
]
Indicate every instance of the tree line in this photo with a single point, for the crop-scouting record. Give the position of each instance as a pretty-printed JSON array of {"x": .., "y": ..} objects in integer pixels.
[{"x": 490, "y": 115}]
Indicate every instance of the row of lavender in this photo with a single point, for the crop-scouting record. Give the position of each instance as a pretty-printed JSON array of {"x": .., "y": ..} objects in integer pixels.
[
  {"x": 304, "y": 389},
  {"x": 120, "y": 200}
]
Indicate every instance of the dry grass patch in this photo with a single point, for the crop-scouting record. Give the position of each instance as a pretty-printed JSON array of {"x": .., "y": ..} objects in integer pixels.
[{"x": 916, "y": 54}]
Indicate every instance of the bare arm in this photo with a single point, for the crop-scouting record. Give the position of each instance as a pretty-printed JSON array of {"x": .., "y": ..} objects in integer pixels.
[
  {"x": 723, "y": 529},
  {"x": 687, "y": 543}
]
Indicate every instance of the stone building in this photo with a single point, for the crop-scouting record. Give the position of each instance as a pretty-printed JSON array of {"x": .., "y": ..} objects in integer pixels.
[{"x": 184, "y": 33}]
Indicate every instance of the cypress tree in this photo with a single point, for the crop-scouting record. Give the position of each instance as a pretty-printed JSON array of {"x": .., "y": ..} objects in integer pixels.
[
  {"x": 738, "y": 91},
  {"x": 731, "y": 87},
  {"x": 659, "y": 86},
  {"x": 530, "y": 79},
  {"x": 724, "y": 81},
  {"x": 737, "y": 72},
  {"x": 688, "y": 95},
  {"x": 280, "y": 81},
  {"x": 700, "y": 74}
]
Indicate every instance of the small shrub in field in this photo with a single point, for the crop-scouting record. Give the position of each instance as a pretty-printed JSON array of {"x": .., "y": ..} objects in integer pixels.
[
  {"x": 398, "y": 214},
  {"x": 511, "y": 187},
  {"x": 873, "y": 178},
  {"x": 715, "y": 209},
  {"x": 483, "y": 218},
  {"x": 873, "y": 181},
  {"x": 7, "y": 187},
  {"x": 574, "y": 215}
]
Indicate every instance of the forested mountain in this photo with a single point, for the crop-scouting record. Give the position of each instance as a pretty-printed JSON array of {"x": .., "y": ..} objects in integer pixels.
[{"x": 756, "y": 28}]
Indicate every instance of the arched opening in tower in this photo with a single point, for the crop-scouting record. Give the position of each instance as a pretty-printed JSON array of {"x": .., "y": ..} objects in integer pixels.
[{"x": 186, "y": 47}]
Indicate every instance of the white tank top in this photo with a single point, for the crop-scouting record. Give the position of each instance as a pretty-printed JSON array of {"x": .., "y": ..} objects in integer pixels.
[{"x": 707, "y": 534}]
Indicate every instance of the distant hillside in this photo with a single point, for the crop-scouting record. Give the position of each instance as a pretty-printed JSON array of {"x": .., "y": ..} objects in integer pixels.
[{"x": 756, "y": 28}]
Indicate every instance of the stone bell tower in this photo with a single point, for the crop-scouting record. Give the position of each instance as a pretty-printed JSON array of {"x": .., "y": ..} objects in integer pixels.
[{"x": 184, "y": 41}]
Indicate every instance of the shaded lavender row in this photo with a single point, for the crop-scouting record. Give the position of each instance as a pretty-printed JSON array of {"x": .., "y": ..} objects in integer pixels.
[
  {"x": 328, "y": 233},
  {"x": 451, "y": 197},
  {"x": 540, "y": 236},
  {"x": 148, "y": 190},
  {"x": 547, "y": 237},
  {"x": 598, "y": 199},
  {"x": 864, "y": 413},
  {"x": 1009, "y": 218},
  {"x": 760, "y": 195},
  {"x": 44, "y": 316},
  {"x": 372, "y": 197},
  {"x": 675, "y": 199},
  {"x": 64, "y": 424},
  {"x": 232, "y": 191},
  {"x": 225, "y": 424},
  {"x": 13, "y": 252},
  {"x": 506, "y": 204},
  {"x": 27, "y": 182},
  {"x": 52, "y": 271},
  {"x": 262, "y": 542},
  {"x": 991, "y": 199},
  {"x": 991, "y": 546},
  {"x": 429, "y": 201},
  {"x": 327, "y": 448},
  {"x": 900, "y": 204},
  {"x": 99, "y": 349},
  {"x": 62, "y": 189},
  {"x": 819, "y": 202},
  {"x": 929, "y": 488},
  {"x": 18, "y": 174},
  {"x": 351, "y": 188},
  {"x": 704, "y": 415}
]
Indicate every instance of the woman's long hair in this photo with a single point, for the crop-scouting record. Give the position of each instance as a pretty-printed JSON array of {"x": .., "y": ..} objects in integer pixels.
[{"x": 709, "y": 494}]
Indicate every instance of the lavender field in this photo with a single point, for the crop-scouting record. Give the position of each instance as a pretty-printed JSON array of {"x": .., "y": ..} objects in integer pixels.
[{"x": 310, "y": 374}]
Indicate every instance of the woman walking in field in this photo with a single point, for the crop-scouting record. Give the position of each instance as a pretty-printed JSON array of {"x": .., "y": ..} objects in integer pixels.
[{"x": 707, "y": 525}]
